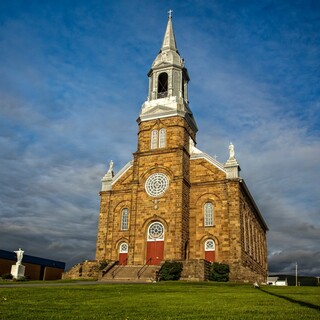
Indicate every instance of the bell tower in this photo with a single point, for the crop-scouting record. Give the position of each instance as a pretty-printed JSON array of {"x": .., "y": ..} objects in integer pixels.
[
  {"x": 168, "y": 77},
  {"x": 168, "y": 83},
  {"x": 162, "y": 162}
]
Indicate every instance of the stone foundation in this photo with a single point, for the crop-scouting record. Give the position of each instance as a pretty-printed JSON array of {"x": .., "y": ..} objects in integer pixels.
[
  {"x": 195, "y": 270},
  {"x": 240, "y": 273},
  {"x": 84, "y": 270}
]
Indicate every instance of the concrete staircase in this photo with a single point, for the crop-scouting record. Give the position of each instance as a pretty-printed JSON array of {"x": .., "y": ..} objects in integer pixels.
[{"x": 133, "y": 273}]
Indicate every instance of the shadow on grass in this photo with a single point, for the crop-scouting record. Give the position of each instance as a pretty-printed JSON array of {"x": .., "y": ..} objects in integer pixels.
[{"x": 301, "y": 303}]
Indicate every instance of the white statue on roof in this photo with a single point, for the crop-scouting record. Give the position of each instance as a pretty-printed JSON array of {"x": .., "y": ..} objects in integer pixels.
[
  {"x": 110, "y": 167},
  {"x": 231, "y": 149}
]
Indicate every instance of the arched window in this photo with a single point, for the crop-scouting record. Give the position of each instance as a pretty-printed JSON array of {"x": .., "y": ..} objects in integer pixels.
[
  {"x": 123, "y": 247},
  {"x": 162, "y": 85},
  {"x": 154, "y": 139},
  {"x": 208, "y": 214},
  {"x": 209, "y": 245},
  {"x": 162, "y": 138},
  {"x": 156, "y": 232},
  {"x": 125, "y": 219}
]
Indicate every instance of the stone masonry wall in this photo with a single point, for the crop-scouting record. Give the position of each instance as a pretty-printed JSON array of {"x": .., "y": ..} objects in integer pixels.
[
  {"x": 247, "y": 259},
  {"x": 238, "y": 235},
  {"x": 195, "y": 270},
  {"x": 83, "y": 270},
  {"x": 171, "y": 209}
]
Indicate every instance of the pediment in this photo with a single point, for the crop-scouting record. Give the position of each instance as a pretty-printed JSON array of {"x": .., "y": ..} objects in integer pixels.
[{"x": 158, "y": 109}]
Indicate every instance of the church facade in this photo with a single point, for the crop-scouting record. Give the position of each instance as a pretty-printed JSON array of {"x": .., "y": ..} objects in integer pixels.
[{"x": 173, "y": 201}]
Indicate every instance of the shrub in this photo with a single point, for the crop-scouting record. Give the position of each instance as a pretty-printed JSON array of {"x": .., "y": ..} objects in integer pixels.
[
  {"x": 26, "y": 278},
  {"x": 170, "y": 270},
  {"x": 219, "y": 272},
  {"x": 7, "y": 276}
]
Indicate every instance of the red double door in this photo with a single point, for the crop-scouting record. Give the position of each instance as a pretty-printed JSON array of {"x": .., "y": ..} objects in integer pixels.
[{"x": 155, "y": 251}]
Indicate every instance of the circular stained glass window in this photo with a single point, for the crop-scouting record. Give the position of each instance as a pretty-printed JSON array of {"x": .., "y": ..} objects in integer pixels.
[
  {"x": 124, "y": 247},
  {"x": 156, "y": 231},
  {"x": 209, "y": 245},
  {"x": 156, "y": 184}
]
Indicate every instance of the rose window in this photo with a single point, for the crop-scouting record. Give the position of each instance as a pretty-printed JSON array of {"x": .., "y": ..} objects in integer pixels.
[
  {"x": 156, "y": 231},
  {"x": 209, "y": 245},
  {"x": 156, "y": 184},
  {"x": 124, "y": 248}
]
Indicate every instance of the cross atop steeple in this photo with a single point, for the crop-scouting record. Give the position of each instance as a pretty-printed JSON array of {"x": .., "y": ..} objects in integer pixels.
[{"x": 169, "y": 41}]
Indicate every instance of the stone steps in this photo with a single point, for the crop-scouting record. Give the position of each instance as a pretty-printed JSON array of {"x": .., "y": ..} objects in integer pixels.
[{"x": 136, "y": 273}]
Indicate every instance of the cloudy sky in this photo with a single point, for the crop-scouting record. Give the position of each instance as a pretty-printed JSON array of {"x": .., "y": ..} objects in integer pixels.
[{"x": 73, "y": 77}]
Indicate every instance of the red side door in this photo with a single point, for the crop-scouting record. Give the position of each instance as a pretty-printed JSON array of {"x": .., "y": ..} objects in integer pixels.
[
  {"x": 123, "y": 258},
  {"x": 210, "y": 256}
]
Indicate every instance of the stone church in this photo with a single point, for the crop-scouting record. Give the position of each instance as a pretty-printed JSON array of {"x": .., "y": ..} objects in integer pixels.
[{"x": 173, "y": 201}]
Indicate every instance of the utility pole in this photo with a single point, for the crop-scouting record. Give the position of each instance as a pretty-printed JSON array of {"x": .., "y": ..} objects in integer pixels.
[{"x": 296, "y": 274}]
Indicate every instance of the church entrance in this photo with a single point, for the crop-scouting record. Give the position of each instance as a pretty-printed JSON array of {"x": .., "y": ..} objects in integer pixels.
[
  {"x": 155, "y": 243},
  {"x": 123, "y": 254},
  {"x": 209, "y": 250}
]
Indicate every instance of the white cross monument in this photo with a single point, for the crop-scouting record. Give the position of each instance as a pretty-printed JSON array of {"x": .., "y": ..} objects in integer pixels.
[{"x": 18, "y": 269}]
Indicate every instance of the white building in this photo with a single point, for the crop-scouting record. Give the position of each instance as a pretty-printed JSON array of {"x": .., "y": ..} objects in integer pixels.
[{"x": 274, "y": 281}]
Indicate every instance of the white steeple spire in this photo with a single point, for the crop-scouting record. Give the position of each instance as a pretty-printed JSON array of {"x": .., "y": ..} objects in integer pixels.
[
  {"x": 169, "y": 41},
  {"x": 168, "y": 83}
]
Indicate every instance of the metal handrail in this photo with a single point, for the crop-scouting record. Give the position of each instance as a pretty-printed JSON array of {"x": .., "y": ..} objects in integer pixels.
[
  {"x": 117, "y": 269},
  {"x": 140, "y": 272},
  {"x": 108, "y": 268}
]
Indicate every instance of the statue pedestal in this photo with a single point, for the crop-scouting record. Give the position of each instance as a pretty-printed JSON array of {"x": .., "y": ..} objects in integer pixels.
[{"x": 17, "y": 271}]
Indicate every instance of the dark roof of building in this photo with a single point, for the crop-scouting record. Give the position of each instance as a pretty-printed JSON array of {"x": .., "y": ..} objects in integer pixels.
[{"x": 10, "y": 255}]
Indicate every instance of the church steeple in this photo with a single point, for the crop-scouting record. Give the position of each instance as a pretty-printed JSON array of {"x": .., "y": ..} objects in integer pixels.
[
  {"x": 169, "y": 41},
  {"x": 168, "y": 83}
]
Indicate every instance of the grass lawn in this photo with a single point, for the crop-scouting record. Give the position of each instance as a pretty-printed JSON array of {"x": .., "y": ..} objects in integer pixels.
[{"x": 164, "y": 300}]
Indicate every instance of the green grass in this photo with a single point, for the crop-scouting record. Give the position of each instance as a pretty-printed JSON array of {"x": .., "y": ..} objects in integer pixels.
[{"x": 165, "y": 300}]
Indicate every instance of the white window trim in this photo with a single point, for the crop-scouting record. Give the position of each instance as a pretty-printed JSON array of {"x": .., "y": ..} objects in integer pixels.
[
  {"x": 157, "y": 184},
  {"x": 162, "y": 138},
  {"x": 123, "y": 248},
  {"x": 125, "y": 219},
  {"x": 154, "y": 139},
  {"x": 208, "y": 216},
  {"x": 161, "y": 238},
  {"x": 213, "y": 248}
]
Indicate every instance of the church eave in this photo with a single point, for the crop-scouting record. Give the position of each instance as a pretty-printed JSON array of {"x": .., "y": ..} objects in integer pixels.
[
  {"x": 168, "y": 65},
  {"x": 189, "y": 118},
  {"x": 122, "y": 171},
  {"x": 205, "y": 156},
  {"x": 259, "y": 215}
]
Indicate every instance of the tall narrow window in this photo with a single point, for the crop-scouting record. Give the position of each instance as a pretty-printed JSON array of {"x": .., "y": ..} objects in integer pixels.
[
  {"x": 208, "y": 214},
  {"x": 125, "y": 219},
  {"x": 162, "y": 138},
  {"x": 154, "y": 139},
  {"x": 162, "y": 85}
]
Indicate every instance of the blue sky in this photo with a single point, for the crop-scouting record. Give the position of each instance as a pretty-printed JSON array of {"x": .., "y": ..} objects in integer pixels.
[{"x": 73, "y": 77}]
